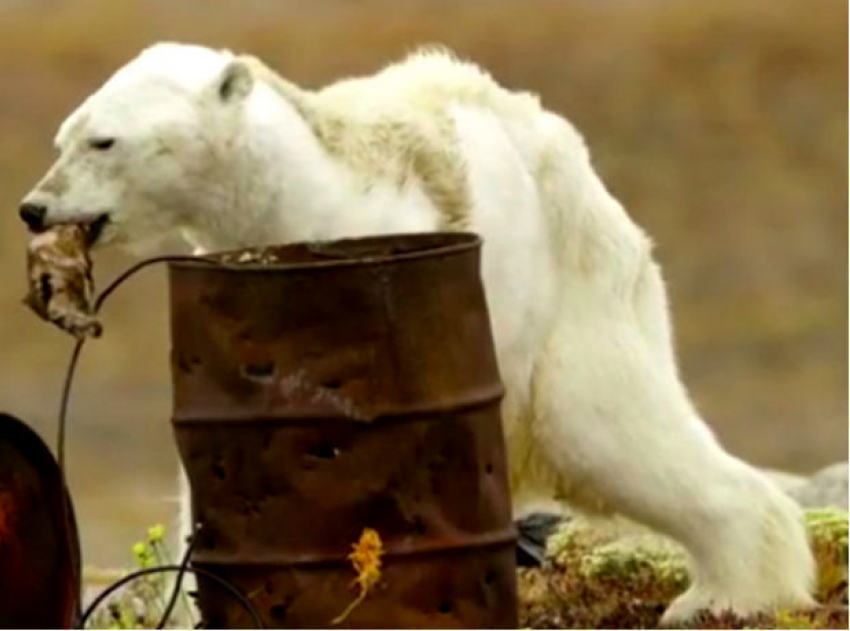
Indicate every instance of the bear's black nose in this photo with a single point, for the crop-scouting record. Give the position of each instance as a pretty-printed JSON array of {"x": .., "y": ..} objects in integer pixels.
[{"x": 33, "y": 216}]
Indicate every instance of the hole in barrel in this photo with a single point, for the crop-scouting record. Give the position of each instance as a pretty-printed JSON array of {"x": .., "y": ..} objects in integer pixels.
[
  {"x": 489, "y": 468},
  {"x": 259, "y": 370},
  {"x": 490, "y": 577},
  {"x": 332, "y": 384},
  {"x": 219, "y": 471},
  {"x": 278, "y": 611},
  {"x": 444, "y": 607},
  {"x": 324, "y": 450},
  {"x": 418, "y": 525}
]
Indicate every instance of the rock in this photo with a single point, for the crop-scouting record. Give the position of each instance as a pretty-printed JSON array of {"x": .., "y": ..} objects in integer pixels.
[
  {"x": 602, "y": 577},
  {"x": 534, "y": 530},
  {"x": 827, "y": 487},
  {"x": 788, "y": 482}
]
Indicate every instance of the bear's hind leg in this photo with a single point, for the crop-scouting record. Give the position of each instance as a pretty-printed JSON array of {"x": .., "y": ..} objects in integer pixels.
[{"x": 613, "y": 418}]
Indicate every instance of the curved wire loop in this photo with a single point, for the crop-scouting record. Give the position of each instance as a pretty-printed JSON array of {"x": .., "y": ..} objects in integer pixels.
[{"x": 183, "y": 567}]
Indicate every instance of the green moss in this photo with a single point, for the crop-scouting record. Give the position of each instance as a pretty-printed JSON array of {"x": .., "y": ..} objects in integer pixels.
[
  {"x": 828, "y": 526},
  {"x": 828, "y": 531},
  {"x": 639, "y": 561},
  {"x": 792, "y": 620}
]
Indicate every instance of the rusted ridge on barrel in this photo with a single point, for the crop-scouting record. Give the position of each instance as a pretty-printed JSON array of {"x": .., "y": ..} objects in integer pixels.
[
  {"x": 504, "y": 537},
  {"x": 338, "y": 253},
  {"x": 307, "y": 417}
]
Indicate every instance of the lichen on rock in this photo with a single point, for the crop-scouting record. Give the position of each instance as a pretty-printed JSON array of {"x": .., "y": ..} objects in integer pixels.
[{"x": 643, "y": 562}]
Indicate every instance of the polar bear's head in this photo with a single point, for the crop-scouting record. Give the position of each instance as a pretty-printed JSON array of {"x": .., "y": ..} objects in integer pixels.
[{"x": 137, "y": 155}]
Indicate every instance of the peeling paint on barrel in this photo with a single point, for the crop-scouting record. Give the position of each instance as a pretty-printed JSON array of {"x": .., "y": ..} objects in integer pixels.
[{"x": 338, "y": 387}]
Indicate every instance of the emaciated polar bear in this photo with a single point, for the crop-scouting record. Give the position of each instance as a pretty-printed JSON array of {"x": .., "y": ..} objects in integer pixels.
[{"x": 221, "y": 149}]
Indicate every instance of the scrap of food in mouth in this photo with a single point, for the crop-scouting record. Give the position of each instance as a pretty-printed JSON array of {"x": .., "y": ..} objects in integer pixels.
[{"x": 60, "y": 282}]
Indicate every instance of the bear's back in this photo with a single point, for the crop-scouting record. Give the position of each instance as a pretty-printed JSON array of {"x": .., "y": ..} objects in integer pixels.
[{"x": 426, "y": 83}]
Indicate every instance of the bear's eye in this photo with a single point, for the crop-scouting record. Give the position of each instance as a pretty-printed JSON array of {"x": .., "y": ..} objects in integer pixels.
[{"x": 101, "y": 144}]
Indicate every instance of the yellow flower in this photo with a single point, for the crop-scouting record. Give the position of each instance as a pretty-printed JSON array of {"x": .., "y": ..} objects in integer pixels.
[
  {"x": 366, "y": 559},
  {"x": 156, "y": 533},
  {"x": 144, "y": 556}
]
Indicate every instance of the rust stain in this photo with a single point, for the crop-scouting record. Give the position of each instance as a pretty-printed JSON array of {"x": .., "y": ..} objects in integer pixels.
[{"x": 7, "y": 512}]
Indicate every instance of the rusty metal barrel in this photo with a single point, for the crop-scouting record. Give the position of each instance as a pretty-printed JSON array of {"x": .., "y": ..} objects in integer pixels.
[{"x": 322, "y": 389}]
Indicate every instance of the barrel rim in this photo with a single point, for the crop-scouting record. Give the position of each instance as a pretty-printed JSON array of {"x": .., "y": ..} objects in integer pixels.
[{"x": 456, "y": 242}]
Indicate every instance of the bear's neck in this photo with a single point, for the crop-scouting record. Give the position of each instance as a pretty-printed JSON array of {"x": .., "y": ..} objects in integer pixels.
[{"x": 280, "y": 185}]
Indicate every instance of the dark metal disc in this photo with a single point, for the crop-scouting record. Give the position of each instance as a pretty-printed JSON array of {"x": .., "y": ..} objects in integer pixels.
[{"x": 39, "y": 546}]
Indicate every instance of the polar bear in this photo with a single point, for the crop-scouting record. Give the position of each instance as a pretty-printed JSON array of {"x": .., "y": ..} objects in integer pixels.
[{"x": 222, "y": 150}]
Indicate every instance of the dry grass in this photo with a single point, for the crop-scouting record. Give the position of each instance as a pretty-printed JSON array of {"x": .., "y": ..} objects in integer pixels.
[{"x": 721, "y": 125}]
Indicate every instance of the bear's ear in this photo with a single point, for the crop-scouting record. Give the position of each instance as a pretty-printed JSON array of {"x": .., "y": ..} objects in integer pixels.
[{"x": 235, "y": 81}]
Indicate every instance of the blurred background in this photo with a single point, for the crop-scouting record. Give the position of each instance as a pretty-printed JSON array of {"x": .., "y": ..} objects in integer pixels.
[{"x": 721, "y": 125}]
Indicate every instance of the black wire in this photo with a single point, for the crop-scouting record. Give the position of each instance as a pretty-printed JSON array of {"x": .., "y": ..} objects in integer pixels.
[
  {"x": 175, "y": 591},
  {"x": 130, "y": 271},
  {"x": 78, "y": 347},
  {"x": 62, "y": 423},
  {"x": 60, "y": 455},
  {"x": 63, "y": 406},
  {"x": 198, "y": 571}
]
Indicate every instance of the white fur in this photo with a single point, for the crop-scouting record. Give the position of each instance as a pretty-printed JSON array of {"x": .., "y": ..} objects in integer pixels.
[{"x": 595, "y": 412}]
